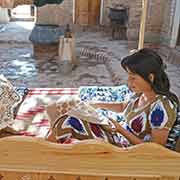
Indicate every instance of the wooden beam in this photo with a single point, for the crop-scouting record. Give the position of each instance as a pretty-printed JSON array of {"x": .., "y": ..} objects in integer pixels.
[{"x": 143, "y": 24}]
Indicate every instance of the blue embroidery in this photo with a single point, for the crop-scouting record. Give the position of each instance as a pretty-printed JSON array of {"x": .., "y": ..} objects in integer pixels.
[
  {"x": 75, "y": 123},
  {"x": 111, "y": 115},
  {"x": 128, "y": 128},
  {"x": 105, "y": 94},
  {"x": 147, "y": 138},
  {"x": 157, "y": 117}
]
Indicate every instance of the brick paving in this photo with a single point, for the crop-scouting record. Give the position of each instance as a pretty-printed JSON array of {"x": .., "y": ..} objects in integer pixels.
[{"x": 19, "y": 66}]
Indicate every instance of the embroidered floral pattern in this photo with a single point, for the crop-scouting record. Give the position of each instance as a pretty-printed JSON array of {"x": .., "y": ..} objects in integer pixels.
[
  {"x": 76, "y": 124},
  {"x": 97, "y": 131},
  {"x": 120, "y": 140},
  {"x": 111, "y": 115},
  {"x": 128, "y": 128},
  {"x": 158, "y": 116},
  {"x": 10, "y": 99},
  {"x": 138, "y": 123},
  {"x": 105, "y": 94}
]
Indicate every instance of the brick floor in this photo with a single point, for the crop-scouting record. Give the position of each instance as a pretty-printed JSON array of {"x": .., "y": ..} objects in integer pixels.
[{"x": 18, "y": 64}]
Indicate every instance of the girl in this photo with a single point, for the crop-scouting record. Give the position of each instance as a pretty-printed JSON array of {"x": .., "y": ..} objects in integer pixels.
[{"x": 148, "y": 116}]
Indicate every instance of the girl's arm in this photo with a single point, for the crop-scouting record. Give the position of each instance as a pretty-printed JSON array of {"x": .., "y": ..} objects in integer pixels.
[
  {"x": 158, "y": 136},
  {"x": 131, "y": 137}
]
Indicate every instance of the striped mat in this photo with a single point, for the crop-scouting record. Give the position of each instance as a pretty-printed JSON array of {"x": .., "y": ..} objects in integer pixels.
[{"x": 32, "y": 119}]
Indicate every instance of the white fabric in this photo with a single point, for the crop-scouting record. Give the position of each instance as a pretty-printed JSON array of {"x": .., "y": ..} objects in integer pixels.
[
  {"x": 9, "y": 99},
  {"x": 88, "y": 113}
]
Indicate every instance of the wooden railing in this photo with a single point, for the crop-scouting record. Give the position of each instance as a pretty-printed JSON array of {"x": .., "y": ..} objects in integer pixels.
[{"x": 25, "y": 158}]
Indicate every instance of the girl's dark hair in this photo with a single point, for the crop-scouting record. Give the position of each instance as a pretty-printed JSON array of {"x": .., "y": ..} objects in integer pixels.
[{"x": 146, "y": 61}]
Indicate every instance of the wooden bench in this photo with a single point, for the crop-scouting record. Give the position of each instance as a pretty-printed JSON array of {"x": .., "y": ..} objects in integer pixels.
[{"x": 26, "y": 158}]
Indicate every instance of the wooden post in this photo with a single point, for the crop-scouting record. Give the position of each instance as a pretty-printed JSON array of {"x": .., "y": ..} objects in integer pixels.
[{"x": 143, "y": 24}]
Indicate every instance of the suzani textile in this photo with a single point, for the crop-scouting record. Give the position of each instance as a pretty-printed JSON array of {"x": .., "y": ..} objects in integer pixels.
[
  {"x": 139, "y": 121},
  {"x": 105, "y": 94}
]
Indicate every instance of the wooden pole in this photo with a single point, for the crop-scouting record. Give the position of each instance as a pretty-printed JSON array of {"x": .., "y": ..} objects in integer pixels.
[{"x": 143, "y": 24}]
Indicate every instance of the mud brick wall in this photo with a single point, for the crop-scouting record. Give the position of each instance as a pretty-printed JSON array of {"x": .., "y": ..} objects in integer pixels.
[
  {"x": 166, "y": 30},
  {"x": 154, "y": 21},
  {"x": 56, "y": 14},
  {"x": 159, "y": 22},
  {"x": 155, "y": 18},
  {"x": 134, "y": 15}
]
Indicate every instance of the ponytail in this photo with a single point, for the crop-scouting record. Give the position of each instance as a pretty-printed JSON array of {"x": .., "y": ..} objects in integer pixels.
[{"x": 161, "y": 85}]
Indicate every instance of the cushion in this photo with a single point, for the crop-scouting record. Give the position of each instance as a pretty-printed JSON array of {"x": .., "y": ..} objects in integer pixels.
[
  {"x": 105, "y": 94},
  {"x": 9, "y": 101},
  {"x": 61, "y": 107}
]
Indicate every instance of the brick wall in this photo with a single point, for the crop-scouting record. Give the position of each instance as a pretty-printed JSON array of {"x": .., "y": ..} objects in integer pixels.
[
  {"x": 167, "y": 25},
  {"x": 56, "y": 14},
  {"x": 134, "y": 15},
  {"x": 154, "y": 21},
  {"x": 159, "y": 18},
  {"x": 158, "y": 25},
  {"x": 172, "y": 55}
]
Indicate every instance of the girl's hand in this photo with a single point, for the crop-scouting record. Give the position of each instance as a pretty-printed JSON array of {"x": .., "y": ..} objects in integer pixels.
[
  {"x": 113, "y": 126},
  {"x": 116, "y": 126}
]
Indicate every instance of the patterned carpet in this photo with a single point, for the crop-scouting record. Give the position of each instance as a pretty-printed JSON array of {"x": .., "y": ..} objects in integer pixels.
[{"x": 32, "y": 119}]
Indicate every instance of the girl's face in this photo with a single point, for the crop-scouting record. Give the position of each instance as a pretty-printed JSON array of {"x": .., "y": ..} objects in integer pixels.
[{"x": 137, "y": 84}]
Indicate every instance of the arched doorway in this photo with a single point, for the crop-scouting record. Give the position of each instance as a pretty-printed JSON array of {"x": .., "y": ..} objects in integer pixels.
[{"x": 87, "y": 12}]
